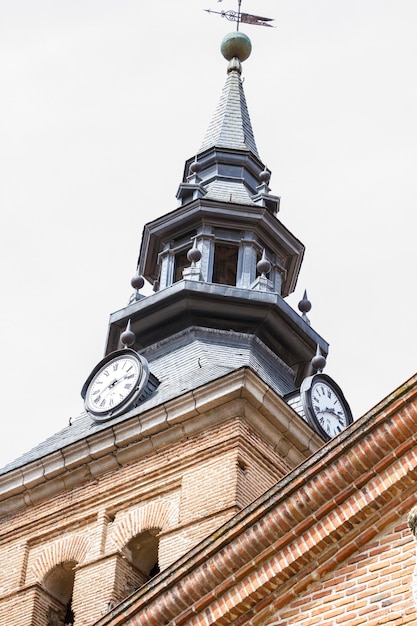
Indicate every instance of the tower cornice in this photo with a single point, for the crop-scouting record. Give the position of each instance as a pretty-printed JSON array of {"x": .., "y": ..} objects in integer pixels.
[
  {"x": 141, "y": 433},
  {"x": 189, "y": 303}
]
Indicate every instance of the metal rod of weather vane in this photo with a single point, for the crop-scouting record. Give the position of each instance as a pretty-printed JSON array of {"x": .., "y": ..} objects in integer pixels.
[{"x": 238, "y": 14}]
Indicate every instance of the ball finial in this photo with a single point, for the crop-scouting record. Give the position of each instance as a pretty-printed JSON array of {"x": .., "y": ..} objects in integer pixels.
[
  {"x": 304, "y": 305},
  {"x": 128, "y": 337},
  {"x": 264, "y": 265},
  {"x": 236, "y": 45},
  {"x": 137, "y": 281},
  {"x": 194, "y": 254},
  {"x": 318, "y": 361}
]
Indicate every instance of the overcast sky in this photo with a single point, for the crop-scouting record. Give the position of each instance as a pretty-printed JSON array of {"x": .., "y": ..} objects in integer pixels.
[{"x": 104, "y": 100}]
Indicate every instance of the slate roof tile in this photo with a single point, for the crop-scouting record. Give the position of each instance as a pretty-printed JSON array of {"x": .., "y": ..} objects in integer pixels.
[{"x": 181, "y": 363}]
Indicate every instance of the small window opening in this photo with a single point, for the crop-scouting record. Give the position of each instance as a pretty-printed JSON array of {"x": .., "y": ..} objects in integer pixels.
[
  {"x": 59, "y": 582},
  {"x": 69, "y": 615},
  {"x": 181, "y": 262},
  {"x": 143, "y": 552},
  {"x": 225, "y": 264},
  {"x": 154, "y": 571}
]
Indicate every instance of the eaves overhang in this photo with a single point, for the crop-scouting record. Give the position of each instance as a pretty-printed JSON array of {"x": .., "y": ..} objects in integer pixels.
[{"x": 189, "y": 303}]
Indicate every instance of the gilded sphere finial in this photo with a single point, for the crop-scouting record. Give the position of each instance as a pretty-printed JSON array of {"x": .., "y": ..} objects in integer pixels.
[{"x": 236, "y": 45}]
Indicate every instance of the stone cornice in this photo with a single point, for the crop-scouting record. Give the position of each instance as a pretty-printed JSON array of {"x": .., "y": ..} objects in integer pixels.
[
  {"x": 128, "y": 441},
  {"x": 313, "y": 520}
]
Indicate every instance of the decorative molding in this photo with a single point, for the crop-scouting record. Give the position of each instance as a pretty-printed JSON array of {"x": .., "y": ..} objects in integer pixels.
[{"x": 125, "y": 442}]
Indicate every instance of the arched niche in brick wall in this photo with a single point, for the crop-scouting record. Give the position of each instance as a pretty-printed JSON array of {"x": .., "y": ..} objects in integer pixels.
[
  {"x": 59, "y": 582},
  {"x": 142, "y": 552},
  {"x": 160, "y": 514},
  {"x": 73, "y": 548}
]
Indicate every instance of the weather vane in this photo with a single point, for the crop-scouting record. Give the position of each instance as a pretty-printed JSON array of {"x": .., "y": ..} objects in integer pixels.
[{"x": 239, "y": 17}]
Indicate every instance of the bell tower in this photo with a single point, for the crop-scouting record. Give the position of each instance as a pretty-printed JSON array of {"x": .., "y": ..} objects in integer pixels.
[
  {"x": 205, "y": 397},
  {"x": 223, "y": 261}
]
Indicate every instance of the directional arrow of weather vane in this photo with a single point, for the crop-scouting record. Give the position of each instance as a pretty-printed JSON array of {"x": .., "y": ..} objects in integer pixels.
[{"x": 239, "y": 17}]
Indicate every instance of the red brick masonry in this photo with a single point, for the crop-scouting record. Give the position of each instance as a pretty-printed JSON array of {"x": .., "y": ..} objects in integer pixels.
[{"x": 329, "y": 544}]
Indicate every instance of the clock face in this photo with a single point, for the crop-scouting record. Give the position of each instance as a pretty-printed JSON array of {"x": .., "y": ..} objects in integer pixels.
[
  {"x": 328, "y": 408},
  {"x": 325, "y": 405},
  {"x": 113, "y": 385}
]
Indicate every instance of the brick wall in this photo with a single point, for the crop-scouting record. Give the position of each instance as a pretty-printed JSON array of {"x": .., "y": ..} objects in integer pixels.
[
  {"x": 373, "y": 587},
  {"x": 331, "y": 543},
  {"x": 185, "y": 490},
  {"x": 100, "y": 584},
  {"x": 31, "y": 606}
]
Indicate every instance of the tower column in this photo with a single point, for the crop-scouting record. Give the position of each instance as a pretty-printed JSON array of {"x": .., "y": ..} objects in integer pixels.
[
  {"x": 205, "y": 243},
  {"x": 246, "y": 267},
  {"x": 167, "y": 263}
]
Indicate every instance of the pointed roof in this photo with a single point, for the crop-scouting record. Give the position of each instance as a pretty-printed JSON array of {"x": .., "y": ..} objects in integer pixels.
[
  {"x": 230, "y": 126},
  {"x": 227, "y": 167}
]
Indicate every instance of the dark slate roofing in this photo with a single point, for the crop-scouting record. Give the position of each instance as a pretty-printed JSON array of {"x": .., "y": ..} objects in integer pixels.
[
  {"x": 229, "y": 191},
  {"x": 181, "y": 363},
  {"x": 231, "y": 126}
]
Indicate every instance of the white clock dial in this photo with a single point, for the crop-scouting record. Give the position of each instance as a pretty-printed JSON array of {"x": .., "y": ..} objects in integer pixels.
[
  {"x": 328, "y": 408},
  {"x": 113, "y": 384},
  {"x": 325, "y": 406}
]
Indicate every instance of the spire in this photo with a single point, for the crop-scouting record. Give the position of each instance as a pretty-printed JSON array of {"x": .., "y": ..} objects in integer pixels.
[
  {"x": 231, "y": 126},
  {"x": 227, "y": 168}
]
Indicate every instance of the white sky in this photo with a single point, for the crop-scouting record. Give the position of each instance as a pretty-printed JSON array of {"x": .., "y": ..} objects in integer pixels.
[{"x": 103, "y": 101}]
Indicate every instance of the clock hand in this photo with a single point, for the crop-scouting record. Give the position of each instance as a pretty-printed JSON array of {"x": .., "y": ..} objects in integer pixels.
[
  {"x": 108, "y": 386},
  {"x": 102, "y": 395},
  {"x": 115, "y": 383},
  {"x": 335, "y": 413},
  {"x": 104, "y": 392},
  {"x": 330, "y": 412}
]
